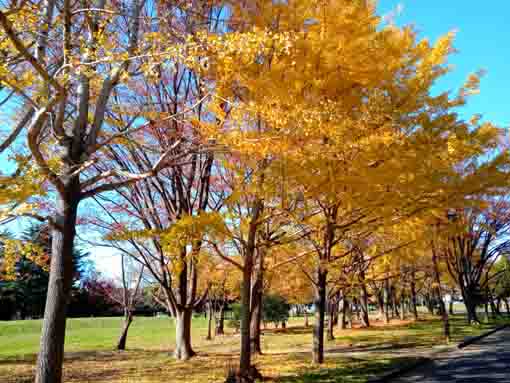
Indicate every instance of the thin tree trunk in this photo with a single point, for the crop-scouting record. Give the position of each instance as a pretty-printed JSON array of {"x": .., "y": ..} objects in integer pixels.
[
  {"x": 256, "y": 303},
  {"x": 402, "y": 307},
  {"x": 320, "y": 309},
  {"x": 507, "y": 305},
  {"x": 444, "y": 313},
  {"x": 386, "y": 301},
  {"x": 414, "y": 308},
  {"x": 51, "y": 352},
  {"x": 245, "y": 357},
  {"x": 183, "y": 349},
  {"x": 306, "y": 318},
  {"x": 209, "y": 320},
  {"x": 331, "y": 309},
  {"x": 343, "y": 312},
  {"x": 450, "y": 306},
  {"x": 380, "y": 304},
  {"x": 365, "y": 322},
  {"x": 220, "y": 323},
  {"x": 394, "y": 305},
  {"x": 128, "y": 319}
]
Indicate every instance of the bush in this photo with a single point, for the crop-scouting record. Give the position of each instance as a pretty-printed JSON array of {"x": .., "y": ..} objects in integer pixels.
[
  {"x": 235, "y": 321},
  {"x": 275, "y": 309}
]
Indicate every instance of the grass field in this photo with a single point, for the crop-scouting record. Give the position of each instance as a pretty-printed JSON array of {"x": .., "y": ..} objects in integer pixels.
[{"x": 353, "y": 356}]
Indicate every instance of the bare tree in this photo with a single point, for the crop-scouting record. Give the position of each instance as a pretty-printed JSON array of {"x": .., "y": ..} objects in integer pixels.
[{"x": 128, "y": 295}]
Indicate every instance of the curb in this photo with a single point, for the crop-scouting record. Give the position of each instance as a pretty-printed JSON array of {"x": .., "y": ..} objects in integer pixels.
[{"x": 424, "y": 360}]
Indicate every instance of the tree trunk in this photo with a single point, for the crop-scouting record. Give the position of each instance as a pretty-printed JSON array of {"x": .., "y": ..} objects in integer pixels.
[
  {"x": 256, "y": 317},
  {"x": 256, "y": 304},
  {"x": 394, "y": 305},
  {"x": 402, "y": 307},
  {"x": 209, "y": 320},
  {"x": 320, "y": 309},
  {"x": 507, "y": 305},
  {"x": 450, "y": 306},
  {"x": 306, "y": 318},
  {"x": 444, "y": 313},
  {"x": 51, "y": 352},
  {"x": 183, "y": 349},
  {"x": 121, "y": 344},
  {"x": 386, "y": 301},
  {"x": 414, "y": 307},
  {"x": 380, "y": 304},
  {"x": 365, "y": 322},
  {"x": 472, "y": 316},
  {"x": 343, "y": 313},
  {"x": 331, "y": 309},
  {"x": 245, "y": 357},
  {"x": 220, "y": 321}
]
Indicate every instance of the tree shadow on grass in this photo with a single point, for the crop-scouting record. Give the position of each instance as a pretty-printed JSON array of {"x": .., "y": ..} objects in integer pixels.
[{"x": 357, "y": 371}]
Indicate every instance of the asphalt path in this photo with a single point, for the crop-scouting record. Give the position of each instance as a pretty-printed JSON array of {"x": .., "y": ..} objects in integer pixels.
[{"x": 486, "y": 361}]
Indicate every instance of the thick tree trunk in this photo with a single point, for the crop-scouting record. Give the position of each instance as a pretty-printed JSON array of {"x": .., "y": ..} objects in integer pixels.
[
  {"x": 320, "y": 310},
  {"x": 51, "y": 352},
  {"x": 414, "y": 308},
  {"x": 472, "y": 316},
  {"x": 128, "y": 319},
  {"x": 183, "y": 349},
  {"x": 256, "y": 317},
  {"x": 365, "y": 322},
  {"x": 245, "y": 357},
  {"x": 220, "y": 321}
]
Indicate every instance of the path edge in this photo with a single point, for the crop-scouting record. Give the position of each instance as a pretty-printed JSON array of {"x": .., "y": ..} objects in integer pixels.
[{"x": 395, "y": 373}]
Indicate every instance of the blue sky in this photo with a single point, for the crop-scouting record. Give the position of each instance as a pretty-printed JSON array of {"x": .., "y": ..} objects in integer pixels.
[{"x": 482, "y": 41}]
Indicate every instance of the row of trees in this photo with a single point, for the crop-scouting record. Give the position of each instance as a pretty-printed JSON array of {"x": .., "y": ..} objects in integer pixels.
[{"x": 256, "y": 143}]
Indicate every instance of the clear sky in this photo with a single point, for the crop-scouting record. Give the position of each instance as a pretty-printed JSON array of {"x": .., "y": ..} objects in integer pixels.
[{"x": 482, "y": 41}]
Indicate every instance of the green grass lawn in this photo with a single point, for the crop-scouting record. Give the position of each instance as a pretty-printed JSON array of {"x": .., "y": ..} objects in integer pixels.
[{"x": 90, "y": 356}]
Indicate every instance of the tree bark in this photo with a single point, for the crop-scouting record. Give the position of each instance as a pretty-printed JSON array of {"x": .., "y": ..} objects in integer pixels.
[
  {"x": 51, "y": 352},
  {"x": 402, "y": 308},
  {"x": 414, "y": 307},
  {"x": 245, "y": 357},
  {"x": 444, "y": 313},
  {"x": 256, "y": 303},
  {"x": 365, "y": 322},
  {"x": 386, "y": 301},
  {"x": 220, "y": 320},
  {"x": 320, "y": 309},
  {"x": 331, "y": 321},
  {"x": 472, "y": 316},
  {"x": 209, "y": 320},
  {"x": 128, "y": 319},
  {"x": 183, "y": 349}
]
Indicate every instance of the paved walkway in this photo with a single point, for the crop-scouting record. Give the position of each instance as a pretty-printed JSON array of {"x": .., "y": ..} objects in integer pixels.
[{"x": 487, "y": 361}]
